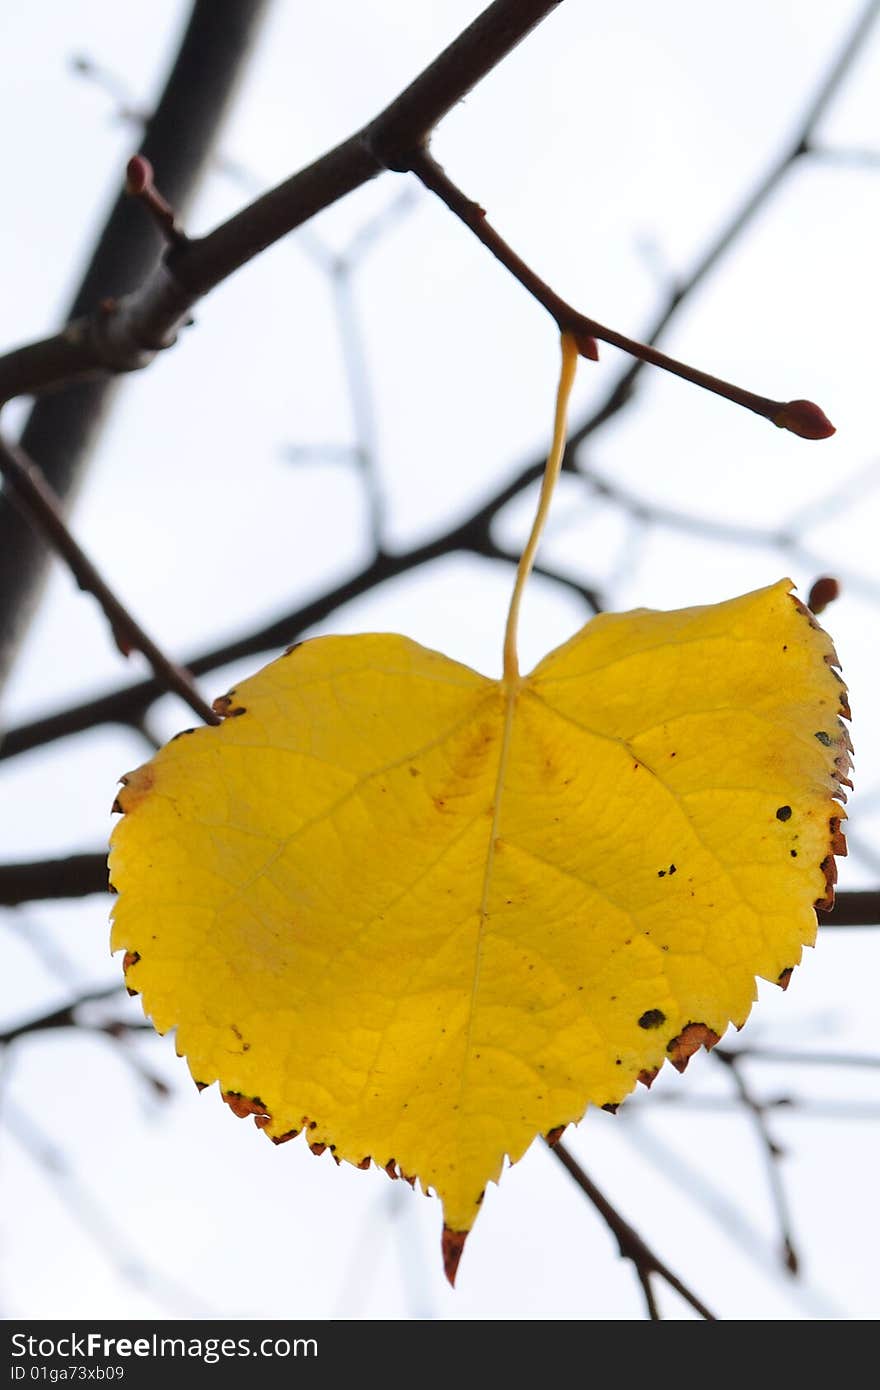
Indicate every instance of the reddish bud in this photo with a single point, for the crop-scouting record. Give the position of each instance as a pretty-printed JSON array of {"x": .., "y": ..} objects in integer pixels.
[
  {"x": 823, "y": 592},
  {"x": 804, "y": 418},
  {"x": 138, "y": 176},
  {"x": 587, "y": 346}
]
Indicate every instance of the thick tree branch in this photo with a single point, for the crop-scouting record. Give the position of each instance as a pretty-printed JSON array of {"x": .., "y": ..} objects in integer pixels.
[
  {"x": 62, "y": 428},
  {"x": 123, "y": 337},
  {"x": 74, "y": 877},
  {"x": 629, "y": 1242}
]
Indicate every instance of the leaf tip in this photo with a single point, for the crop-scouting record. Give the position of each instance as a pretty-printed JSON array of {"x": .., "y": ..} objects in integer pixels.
[{"x": 453, "y": 1245}]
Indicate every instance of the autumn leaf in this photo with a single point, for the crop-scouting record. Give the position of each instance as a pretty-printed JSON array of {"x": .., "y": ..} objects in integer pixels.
[{"x": 424, "y": 916}]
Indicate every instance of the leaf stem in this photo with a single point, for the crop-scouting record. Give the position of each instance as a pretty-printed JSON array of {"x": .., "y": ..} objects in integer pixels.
[{"x": 570, "y": 354}]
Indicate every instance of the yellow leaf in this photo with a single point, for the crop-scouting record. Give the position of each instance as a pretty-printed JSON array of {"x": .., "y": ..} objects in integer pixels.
[{"x": 426, "y": 916}]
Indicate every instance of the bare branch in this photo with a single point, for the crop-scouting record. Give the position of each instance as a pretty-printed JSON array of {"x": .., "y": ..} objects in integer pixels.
[
  {"x": 741, "y": 219},
  {"x": 77, "y": 876},
  {"x": 127, "y": 335},
  {"x": 772, "y": 1154},
  {"x": 801, "y": 417},
  {"x": 42, "y": 508},
  {"x": 629, "y": 1242},
  {"x": 66, "y": 1016},
  {"x": 61, "y": 429}
]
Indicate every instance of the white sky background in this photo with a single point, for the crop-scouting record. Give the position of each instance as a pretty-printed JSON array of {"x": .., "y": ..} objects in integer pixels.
[{"x": 608, "y": 149}]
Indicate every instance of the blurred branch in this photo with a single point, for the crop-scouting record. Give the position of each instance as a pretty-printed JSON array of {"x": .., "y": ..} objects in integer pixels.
[
  {"x": 111, "y": 1240},
  {"x": 772, "y": 1153},
  {"x": 793, "y": 1057},
  {"x": 42, "y": 508},
  {"x": 77, "y": 876},
  {"x": 62, "y": 428},
  {"x": 629, "y": 1242},
  {"x": 700, "y": 1186},
  {"x": 66, "y": 1017}
]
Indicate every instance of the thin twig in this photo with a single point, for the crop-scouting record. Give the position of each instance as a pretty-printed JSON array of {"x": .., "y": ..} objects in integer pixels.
[
  {"x": 629, "y": 1242},
  {"x": 794, "y": 1057},
  {"x": 43, "y": 510},
  {"x": 739, "y": 221},
  {"x": 65, "y": 1016},
  {"x": 772, "y": 1155},
  {"x": 801, "y": 417}
]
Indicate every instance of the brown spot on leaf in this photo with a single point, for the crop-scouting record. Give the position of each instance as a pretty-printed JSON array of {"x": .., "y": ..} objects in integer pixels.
[
  {"x": 415, "y": 772},
  {"x": 612, "y": 1106},
  {"x": 553, "y": 1136},
  {"x": 284, "y": 1138},
  {"x": 824, "y": 739},
  {"x": 317, "y": 1148},
  {"x": 262, "y": 1120},
  {"x": 135, "y": 786},
  {"x": 242, "y": 1106},
  {"x": 692, "y": 1037},
  {"x": 838, "y": 839},
  {"x": 804, "y": 612},
  {"x": 652, "y": 1018},
  {"x": 453, "y": 1245},
  {"x": 829, "y": 869},
  {"x": 783, "y": 813},
  {"x": 364, "y": 1163},
  {"x": 648, "y": 1075},
  {"x": 391, "y": 1169},
  {"x": 294, "y": 646},
  {"x": 130, "y": 958},
  {"x": 200, "y": 1085},
  {"x": 224, "y": 706},
  {"x": 784, "y": 977}
]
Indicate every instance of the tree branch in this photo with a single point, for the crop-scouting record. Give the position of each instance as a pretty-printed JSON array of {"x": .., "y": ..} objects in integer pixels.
[
  {"x": 629, "y": 1242},
  {"x": 123, "y": 337},
  {"x": 40, "y": 505},
  {"x": 62, "y": 429},
  {"x": 740, "y": 220},
  {"x": 801, "y": 417},
  {"x": 772, "y": 1154}
]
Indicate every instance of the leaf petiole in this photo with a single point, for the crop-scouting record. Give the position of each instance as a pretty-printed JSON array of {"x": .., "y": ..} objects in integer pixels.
[{"x": 570, "y": 353}]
